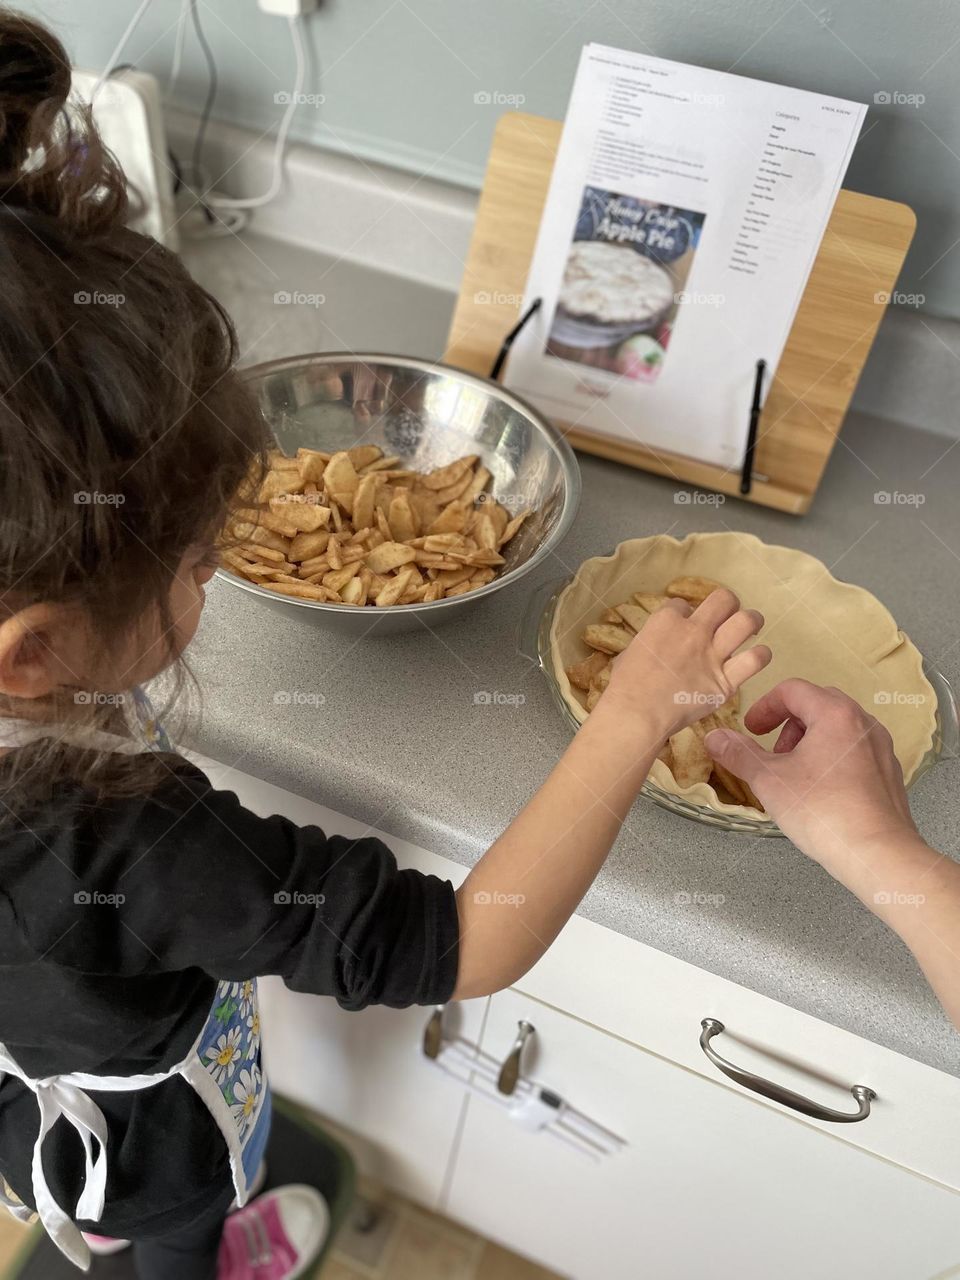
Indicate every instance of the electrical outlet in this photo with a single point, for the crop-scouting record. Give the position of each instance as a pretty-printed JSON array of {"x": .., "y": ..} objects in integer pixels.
[{"x": 288, "y": 8}]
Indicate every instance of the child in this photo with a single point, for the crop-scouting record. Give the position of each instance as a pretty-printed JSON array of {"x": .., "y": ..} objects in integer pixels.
[{"x": 138, "y": 904}]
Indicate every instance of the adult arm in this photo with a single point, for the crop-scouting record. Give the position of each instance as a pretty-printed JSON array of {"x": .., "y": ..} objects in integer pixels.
[{"x": 834, "y": 785}]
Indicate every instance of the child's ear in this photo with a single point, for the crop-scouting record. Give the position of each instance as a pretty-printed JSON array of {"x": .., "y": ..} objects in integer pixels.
[{"x": 30, "y": 666}]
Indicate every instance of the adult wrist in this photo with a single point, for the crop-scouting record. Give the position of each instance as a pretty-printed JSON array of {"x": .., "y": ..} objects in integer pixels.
[
  {"x": 891, "y": 847},
  {"x": 882, "y": 867}
]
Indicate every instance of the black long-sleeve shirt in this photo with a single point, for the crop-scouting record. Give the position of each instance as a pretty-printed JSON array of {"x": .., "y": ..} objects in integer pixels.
[{"x": 117, "y": 920}]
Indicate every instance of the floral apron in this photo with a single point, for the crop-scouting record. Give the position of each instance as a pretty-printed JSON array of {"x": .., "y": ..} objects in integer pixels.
[{"x": 223, "y": 1066}]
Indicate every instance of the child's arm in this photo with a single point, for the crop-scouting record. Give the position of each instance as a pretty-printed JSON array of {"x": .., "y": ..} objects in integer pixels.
[
  {"x": 521, "y": 893},
  {"x": 835, "y": 787},
  {"x": 202, "y": 885}
]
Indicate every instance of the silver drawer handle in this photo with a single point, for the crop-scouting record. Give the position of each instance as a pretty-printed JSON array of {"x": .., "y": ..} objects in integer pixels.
[
  {"x": 863, "y": 1095},
  {"x": 433, "y": 1033},
  {"x": 510, "y": 1071}
]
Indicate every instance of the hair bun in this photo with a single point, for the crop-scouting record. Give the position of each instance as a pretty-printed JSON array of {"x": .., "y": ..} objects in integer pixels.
[
  {"x": 51, "y": 161},
  {"x": 34, "y": 85}
]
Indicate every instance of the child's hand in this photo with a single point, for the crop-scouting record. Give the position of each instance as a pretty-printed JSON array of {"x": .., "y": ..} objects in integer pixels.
[
  {"x": 668, "y": 677},
  {"x": 684, "y": 662}
]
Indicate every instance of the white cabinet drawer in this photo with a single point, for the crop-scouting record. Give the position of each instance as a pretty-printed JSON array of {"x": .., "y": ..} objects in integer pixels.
[
  {"x": 710, "y": 1183},
  {"x": 657, "y": 1003}
]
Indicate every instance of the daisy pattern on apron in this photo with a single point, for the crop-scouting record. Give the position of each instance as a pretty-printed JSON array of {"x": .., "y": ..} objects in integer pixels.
[{"x": 229, "y": 1048}]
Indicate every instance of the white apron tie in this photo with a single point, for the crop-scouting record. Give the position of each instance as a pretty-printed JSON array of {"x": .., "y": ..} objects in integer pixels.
[
  {"x": 59, "y": 1096},
  {"x": 66, "y": 1096},
  {"x": 58, "y": 1099}
]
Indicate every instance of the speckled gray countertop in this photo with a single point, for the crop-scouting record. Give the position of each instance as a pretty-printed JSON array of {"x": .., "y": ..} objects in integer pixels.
[{"x": 399, "y": 742}]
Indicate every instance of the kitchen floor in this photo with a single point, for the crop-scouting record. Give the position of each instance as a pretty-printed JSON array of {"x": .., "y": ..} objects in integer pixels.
[
  {"x": 410, "y": 1243},
  {"x": 385, "y": 1238}
]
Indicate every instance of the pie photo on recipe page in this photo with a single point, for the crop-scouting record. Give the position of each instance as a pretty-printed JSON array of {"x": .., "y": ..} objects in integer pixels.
[{"x": 623, "y": 283}]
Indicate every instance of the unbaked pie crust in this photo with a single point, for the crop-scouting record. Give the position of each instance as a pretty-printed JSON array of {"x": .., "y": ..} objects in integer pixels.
[{"x": 830, "y": 632}]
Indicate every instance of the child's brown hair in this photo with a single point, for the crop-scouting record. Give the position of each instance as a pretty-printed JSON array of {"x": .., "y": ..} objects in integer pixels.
[{"x": 125, "y": 430}]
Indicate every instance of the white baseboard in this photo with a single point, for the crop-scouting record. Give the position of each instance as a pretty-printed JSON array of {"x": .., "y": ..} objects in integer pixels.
[
  {"x": 341, "y": 205},
  {"x": 420, "y": 228}
]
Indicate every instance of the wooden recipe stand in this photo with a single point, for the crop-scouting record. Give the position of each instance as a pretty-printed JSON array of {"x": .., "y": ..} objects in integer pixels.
[{"x": 860, "y": 256}]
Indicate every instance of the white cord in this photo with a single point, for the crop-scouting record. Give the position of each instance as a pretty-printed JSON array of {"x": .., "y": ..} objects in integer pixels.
[
  {"x": 115, "y": 56},
  {"x": 179, "y": 46},
  {"x": 255, "y": 202},
  {"x": 230, "y": 223}
]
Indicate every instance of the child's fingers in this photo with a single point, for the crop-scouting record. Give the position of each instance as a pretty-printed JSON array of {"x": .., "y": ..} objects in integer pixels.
[
  {"x": 730, "y": 635},
  {"x": 717, "y": 608},
  {"x": 744, "y": 665},
  {"x": 676, "y": 605}
]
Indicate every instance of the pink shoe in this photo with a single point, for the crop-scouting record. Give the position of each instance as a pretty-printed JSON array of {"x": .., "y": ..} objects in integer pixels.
[
  {"x": 276, "y": 1237},
  {"x": 104, "y": 1246}
]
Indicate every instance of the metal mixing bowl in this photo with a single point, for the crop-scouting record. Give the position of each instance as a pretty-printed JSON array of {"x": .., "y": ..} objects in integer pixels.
[{"x": 428, "y": 414}]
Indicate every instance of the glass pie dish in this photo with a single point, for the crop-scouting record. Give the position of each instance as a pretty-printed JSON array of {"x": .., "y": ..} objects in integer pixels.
[{"x": 534, "y": 643}]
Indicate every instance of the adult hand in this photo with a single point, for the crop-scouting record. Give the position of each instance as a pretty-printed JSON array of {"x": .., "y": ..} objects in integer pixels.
[
  {"x": 834, "y": 785},
  {"x": 832, "y": 781}
]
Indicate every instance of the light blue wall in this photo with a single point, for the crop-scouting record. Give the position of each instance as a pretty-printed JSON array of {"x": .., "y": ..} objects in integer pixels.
[{"x": 399, "y": 78}]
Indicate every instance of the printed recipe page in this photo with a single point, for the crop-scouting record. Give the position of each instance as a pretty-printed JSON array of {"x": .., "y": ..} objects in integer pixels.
[{"x": 684, "y": 214}]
